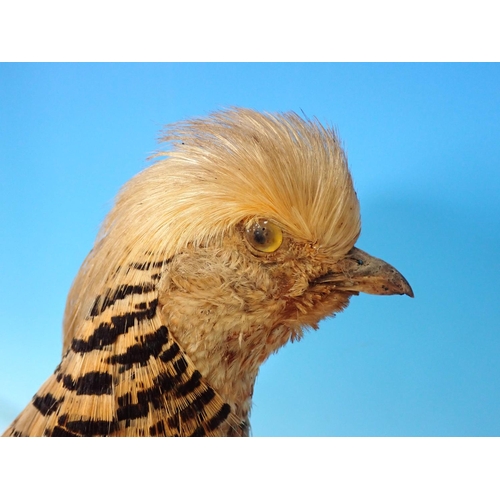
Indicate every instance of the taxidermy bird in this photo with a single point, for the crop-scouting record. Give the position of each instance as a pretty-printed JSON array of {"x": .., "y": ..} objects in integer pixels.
[{"x": 237, "y": 239}]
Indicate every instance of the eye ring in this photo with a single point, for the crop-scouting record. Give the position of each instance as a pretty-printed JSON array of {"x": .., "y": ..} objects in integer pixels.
[{"x": 264, "y": 236}]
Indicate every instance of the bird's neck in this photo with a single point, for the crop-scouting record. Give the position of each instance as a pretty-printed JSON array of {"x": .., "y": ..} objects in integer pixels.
[{"x": 231, "y": 367}]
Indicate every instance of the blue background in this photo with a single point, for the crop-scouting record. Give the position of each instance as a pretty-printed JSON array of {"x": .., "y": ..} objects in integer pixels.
[{"x": 423, "y": 142}]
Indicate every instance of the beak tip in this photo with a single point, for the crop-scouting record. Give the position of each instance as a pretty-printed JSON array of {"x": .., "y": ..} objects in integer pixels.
[
  {"x": 407, "y": 290},
  {"x": 404, "y": 286}
]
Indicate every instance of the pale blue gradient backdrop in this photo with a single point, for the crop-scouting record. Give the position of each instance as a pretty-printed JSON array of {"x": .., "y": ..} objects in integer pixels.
[{"x": 423, "y": 143}]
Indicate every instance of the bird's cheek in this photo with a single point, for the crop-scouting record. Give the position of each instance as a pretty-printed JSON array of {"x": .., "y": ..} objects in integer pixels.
[{"x": 289, "y": 283}]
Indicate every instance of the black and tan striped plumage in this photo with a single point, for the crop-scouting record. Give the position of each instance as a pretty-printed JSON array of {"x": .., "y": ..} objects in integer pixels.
[{"x": 211, "y": 259}]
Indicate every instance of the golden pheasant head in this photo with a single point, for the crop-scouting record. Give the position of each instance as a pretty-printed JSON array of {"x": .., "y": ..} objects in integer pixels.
[{"x": 238, "y": 237}]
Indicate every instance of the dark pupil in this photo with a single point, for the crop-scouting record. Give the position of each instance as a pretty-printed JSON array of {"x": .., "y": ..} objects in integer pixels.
[{"x": 260, "y": 235}]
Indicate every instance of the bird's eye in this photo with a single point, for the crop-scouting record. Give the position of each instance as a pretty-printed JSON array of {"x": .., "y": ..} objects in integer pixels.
[{"x": 264, "y": 236}]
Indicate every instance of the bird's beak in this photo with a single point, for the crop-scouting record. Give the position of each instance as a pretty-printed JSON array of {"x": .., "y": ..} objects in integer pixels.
[{"x": 360, "y": 272}]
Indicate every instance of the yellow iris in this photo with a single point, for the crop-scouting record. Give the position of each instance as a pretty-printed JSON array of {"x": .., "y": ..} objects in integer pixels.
[{"x": 264, "y": 236}]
